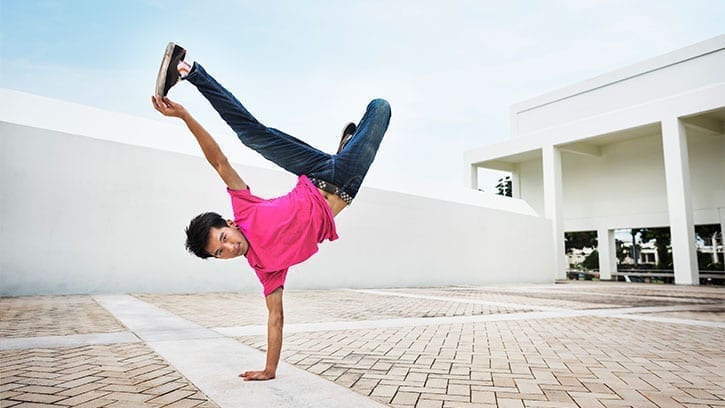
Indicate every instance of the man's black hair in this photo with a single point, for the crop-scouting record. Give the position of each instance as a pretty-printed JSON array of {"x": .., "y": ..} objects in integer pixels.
[{"x": 197, "y": 233}]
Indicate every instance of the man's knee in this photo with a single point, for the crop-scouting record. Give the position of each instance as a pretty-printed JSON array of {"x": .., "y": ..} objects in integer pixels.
[{"x": 380, "y": 106}]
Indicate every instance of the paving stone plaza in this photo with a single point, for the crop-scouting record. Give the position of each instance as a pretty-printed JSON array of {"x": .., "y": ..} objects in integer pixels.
[{"x": 561, "y": 345}]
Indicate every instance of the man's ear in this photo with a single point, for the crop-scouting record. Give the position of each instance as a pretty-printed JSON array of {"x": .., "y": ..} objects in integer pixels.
[{"x": 231, "y": 224}]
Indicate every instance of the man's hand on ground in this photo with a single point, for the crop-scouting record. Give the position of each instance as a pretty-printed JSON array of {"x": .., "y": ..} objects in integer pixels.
[{"x": 257, "y": 375}]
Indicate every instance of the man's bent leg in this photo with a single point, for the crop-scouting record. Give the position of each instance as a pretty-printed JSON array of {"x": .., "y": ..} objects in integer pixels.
[
  {"x": 352, "y": 164},
  {"x": 282, "y": 149}
]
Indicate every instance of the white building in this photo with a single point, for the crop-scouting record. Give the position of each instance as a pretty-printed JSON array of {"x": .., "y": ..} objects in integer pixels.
[
  {"x": 642, "y": 146},
  {"x": 646, "y": 253},
  {"x": 576, "y": 256}
]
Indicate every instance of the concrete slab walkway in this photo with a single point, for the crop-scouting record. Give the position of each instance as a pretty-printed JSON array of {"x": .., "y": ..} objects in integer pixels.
[
  {"x": 568, "y": 345},
  {"x": 212, "y": 362}
]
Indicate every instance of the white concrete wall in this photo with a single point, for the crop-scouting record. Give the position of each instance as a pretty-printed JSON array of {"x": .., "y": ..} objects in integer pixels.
[
  {"x": 707, "y": 175},
  {"x": 80, "y": 214},
  {"x": 531, "y": 184},
  {"x": 625, "y": 186}
]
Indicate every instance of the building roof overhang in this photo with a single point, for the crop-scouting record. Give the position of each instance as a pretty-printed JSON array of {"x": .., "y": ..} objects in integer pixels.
[{"x": 701, "y": 108}]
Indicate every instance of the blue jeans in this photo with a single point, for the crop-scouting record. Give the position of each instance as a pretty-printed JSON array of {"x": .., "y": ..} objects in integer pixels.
[{"x": 346, "y": 169}]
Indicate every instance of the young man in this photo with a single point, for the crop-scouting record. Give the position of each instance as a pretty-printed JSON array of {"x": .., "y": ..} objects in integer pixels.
[{"x": 278, "y": 233}]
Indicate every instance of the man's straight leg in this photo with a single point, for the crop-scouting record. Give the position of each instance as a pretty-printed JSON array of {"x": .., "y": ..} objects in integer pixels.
[{"x": 282, "y": 149}]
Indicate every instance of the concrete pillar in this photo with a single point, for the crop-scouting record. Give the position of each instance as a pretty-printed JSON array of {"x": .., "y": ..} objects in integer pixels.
[
  {"x": 515, "y": 183},
  {"x": 607, "y": 249},
  {"x": 714, "y": 239},
  {"x": 721, "y": 212},
  {"x": 471, "y": 174},
  {"x": 679, "y": 202},
  {"x": 553, "y": 206}
]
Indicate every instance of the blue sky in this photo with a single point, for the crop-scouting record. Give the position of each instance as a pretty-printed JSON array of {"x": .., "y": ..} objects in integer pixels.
[{"x": 451, "y": 69}]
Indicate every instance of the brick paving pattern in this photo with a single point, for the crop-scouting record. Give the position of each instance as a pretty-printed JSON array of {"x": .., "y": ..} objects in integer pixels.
[
  {"x": 589, "y": 298},
  {"x": 120, "y": 375},
  {"x": 551, "y": 360},
  {"x": 32, "y": 316},
  {"x": 559, "y": 362},
  {"x": 227, "y": 310},
  {"x": 715, "y": 313},
  {"x": 515, "y": 296},
  {"x": 324, "y": 306},
  {"x": 213, "y": 309},
  {"x": 583, "y": 361}
]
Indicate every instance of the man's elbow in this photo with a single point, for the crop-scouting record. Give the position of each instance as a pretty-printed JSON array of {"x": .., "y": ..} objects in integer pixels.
[{"x": 219, "y": 163}]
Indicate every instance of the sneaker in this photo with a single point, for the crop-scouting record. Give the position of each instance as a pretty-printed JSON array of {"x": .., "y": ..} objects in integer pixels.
[
  {"x": 347, "y": 132},
  {"x": 168, "y": 74}
]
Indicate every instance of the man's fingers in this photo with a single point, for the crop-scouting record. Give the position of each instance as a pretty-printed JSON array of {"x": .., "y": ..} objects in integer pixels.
[
  {"x": 159, "y": 104},
  {"x": 168, "y": 102}
]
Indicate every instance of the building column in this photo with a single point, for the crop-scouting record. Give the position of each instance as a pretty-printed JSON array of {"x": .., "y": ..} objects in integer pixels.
[
  {"x": 679, "y": 202},
  {"x": 607, "y": 249},
  {"x": 471, "y": 175},
  {"x": 721, "y": 212},
  {"x": 515, "y": 183},
  {"x": 553, "y": 208}
]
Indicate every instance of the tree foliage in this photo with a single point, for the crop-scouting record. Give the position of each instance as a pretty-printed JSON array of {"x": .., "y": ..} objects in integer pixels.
[
  {"x": 662, "y": 239},
  {"x": 706, "y": 232},
  {"x": 591, "y": 261},
  {"x": 503, "y": 187},
  {"x": 580, "y": 239}
]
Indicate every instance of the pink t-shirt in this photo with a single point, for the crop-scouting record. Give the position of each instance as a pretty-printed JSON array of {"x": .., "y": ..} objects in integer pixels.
[{"x": 282, "y": 231}]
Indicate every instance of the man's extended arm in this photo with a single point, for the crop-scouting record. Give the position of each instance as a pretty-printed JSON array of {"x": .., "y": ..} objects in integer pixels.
[
  {"x": 275, "y": 322},
  {"x": 209, "y": 146}
]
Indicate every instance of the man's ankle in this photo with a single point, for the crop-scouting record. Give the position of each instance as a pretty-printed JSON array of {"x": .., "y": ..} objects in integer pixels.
[{"x": 184, "y": 68}]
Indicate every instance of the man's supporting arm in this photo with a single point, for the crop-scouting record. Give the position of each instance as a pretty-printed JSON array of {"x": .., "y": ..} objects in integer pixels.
[
  {"x": 209, "y": 146},
  {"x": 275, "y": 322}
]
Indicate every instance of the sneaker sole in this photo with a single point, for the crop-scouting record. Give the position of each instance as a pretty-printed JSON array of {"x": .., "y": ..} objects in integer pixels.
[
  {"x": 347, "y": 133},
  {"x": 163, "y": 69}
]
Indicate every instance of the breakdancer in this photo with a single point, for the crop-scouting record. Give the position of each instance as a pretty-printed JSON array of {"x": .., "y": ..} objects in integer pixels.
[{"x": 272, "y": 234}]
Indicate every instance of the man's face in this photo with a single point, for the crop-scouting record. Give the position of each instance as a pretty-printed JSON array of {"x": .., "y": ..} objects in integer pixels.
[{"x": 227, "y": 242}]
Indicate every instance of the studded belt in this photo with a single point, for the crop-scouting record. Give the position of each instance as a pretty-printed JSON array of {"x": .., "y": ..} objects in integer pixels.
[{"x": 332, "y": 189}]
